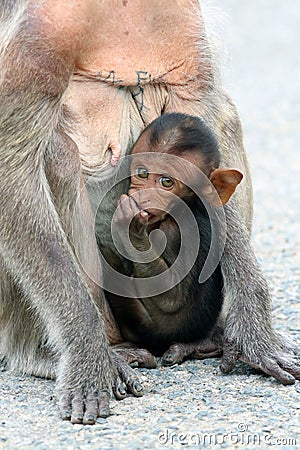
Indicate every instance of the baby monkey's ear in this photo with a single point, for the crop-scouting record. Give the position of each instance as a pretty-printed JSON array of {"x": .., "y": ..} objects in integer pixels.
[{"x": 225, "y": 182}]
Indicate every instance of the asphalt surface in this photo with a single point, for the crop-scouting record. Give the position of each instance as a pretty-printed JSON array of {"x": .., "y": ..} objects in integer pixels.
[{"x": 194, "y": 403}]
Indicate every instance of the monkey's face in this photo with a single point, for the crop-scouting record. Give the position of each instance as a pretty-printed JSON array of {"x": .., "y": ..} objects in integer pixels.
[{"x": 155, "y": 189}]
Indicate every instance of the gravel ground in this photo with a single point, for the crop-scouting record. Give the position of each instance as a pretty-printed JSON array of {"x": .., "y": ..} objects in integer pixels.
[{"x": 194, "y": 403}]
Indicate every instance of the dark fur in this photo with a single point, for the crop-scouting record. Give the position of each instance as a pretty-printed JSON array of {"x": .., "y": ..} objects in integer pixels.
[{"x": 177, "y": 133}]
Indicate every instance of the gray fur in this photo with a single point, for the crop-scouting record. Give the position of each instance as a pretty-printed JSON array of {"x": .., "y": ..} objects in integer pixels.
[{"x": 50, "y": 318}]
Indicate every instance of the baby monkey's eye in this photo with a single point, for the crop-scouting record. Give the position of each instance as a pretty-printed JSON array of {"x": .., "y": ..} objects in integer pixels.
[
  {"x": 166, "y": 182},
  {"x": 141, "y": 172}
]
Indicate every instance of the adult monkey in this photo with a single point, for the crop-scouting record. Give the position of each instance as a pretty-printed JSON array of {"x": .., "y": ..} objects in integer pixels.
[{"x": 76, "y": 83}]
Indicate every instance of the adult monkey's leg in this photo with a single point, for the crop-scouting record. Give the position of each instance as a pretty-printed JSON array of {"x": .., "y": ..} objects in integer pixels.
[
  {"x": 63, "y": 171},
  {"x": 37, "y": 59}
]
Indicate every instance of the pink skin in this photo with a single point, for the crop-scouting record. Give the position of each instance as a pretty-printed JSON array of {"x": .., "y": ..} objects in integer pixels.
[{"x": 129, "y": 209}]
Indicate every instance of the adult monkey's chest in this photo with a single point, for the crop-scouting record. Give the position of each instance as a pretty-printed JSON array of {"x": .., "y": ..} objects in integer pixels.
[{"x": 133, "y": 53}]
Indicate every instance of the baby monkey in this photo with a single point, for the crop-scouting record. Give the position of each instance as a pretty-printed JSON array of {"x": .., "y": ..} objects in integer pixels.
[{"x": 175, "y": 182}]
